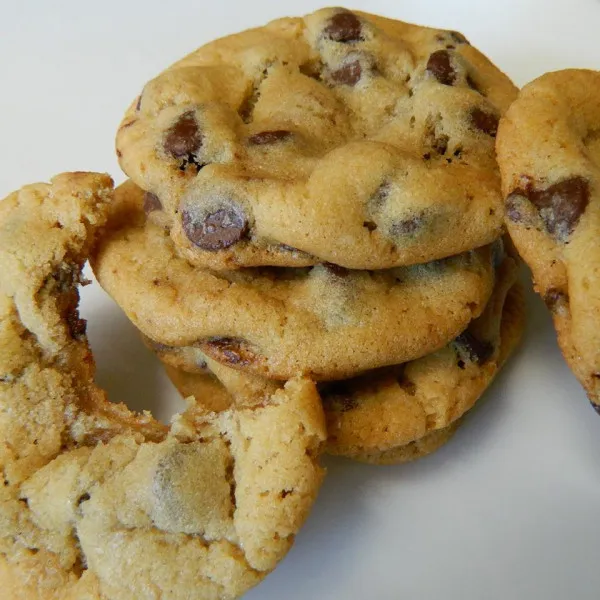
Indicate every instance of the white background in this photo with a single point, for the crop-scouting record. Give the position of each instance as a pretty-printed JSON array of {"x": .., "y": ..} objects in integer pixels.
[{"x": 510, "y": 509}]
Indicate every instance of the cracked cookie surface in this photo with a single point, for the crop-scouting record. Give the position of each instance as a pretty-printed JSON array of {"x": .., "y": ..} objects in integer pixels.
[
  {"x": 325, "y": 321},
  {"x": 549, "y": 157},
  {"x": 338, "y": 137},
  {"x": 99, "y": 503}
]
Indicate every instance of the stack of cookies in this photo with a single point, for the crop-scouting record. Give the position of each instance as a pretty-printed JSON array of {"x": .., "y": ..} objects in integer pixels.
[{"x": 320, "y": 198}]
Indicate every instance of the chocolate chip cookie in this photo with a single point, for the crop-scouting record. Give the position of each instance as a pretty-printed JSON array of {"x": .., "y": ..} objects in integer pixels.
[
  {"x": 324, "y": 321},
  {"x": 377, "y": 414},
  {"x": 97, "y": 502},
  {"x": 338, "y": 137},
  {"x": 549, "y": 154}
]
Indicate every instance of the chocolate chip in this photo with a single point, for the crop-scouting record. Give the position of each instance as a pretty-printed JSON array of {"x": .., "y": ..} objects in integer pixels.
[
  {"x": 561, "y": 205},
  {"x": 472, "y": 348},
  {"x": 381, "y": 194},
  {"x": 596, "y": 407},
  {"x": 406, "y": 226},
  {"x": 348, "y": 74},
  {"x": 370, "y": 225},
  {"x": 83, "y": 498},
  {"x": 554, "y": 298},
  {"x": 343, "y": 27},
  {"x": 217, "y": 230},
  {"x": 231, "y": 351},
  {"x": 336, "y": 270},
  {"x": 511, "y": 204},
  {"x": 138, "y": 104},
  {"x": 484, "y": 121},
  {"x": 269, "y": 137},
  {"x": 183, "y": 138},
  {"x": 440, "y": 66},
  {"x": 151, "y": 202}
]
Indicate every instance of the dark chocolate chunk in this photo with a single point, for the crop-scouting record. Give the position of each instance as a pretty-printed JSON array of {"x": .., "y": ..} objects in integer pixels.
[
  {"x": 486, "y": 122},
  {"x": 217, "y": 230},
  {"x": 440, "y": 66},
  {"x": 472, "y": 348},
  {"x": 231, "y": 351},
  {"x": 343, "y": 27},
  {"x": 183, "y": 138},
  {"x": 348, "y": 74},
  {"x": 561, "y": 205}
]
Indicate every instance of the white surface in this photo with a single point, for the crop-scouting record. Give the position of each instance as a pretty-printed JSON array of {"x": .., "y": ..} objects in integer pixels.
[{"x": 509, "y": 509}]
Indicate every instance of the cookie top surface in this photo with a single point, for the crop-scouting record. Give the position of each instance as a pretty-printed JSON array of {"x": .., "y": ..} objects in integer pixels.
[
  {"x": 98, "y": 502},
  {"x": 386, "y": 408},
  {"x": 340, "y": 137},
  {"x": 549, "y": 156},
  {"x": 323, "y": 321}
]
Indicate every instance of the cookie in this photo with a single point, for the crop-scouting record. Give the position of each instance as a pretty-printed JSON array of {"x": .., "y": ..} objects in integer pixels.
[
  {"x": 549, "y": 151},
  {"x": 339, "y": 137},
  {"x": 324, "y": 321},
  {"x": 379, "y": 413},
  {"x": 97, "y": 502},
  {"x": 420, "y": 448}
]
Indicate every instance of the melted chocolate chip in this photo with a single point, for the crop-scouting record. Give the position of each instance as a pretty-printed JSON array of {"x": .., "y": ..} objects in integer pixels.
[
  {"x": 151, "y": 203},
  {"x": 217, "y": 230},
  {"x": 138, "y": 103},
  {"x": 343, "y": 27},
  {"x": 336, "y": 270},
  {"x": 440, "y": 66},
  {"x": 370, "y": 225},
  {"x": 231, "y": 351},
  {"x": 561, "y": 205},
  {"x": 484, "y": 121},
  {"x": 348, "y": 74},
  {"x": 183, "y": 138},
  {"x": 269, "y": 137},
  {"x": 477, "y": 351},
  {"x": 554, "y": 298}
]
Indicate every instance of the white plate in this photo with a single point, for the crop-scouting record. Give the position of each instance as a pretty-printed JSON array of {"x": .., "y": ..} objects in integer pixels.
[{"x": 510, "y": 508}]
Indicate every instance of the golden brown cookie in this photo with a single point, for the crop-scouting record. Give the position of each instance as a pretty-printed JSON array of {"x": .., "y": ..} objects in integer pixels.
[
  {"x": 549, "y": 155},
  {"x": 99, "y": 503},
  {"x": 338, "y": 137},
  {"x": 424, "y": 446},
  {"x": 325, "y": 322},
  {"x": 381, "y": 412}
]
